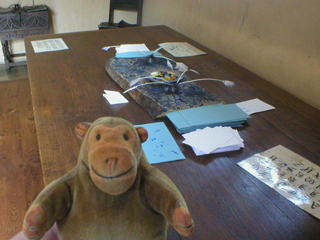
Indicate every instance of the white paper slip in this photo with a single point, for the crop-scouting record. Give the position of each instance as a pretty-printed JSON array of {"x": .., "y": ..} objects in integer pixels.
[
  {"x": 254, "y": 106},
  {"x": 181, "y": 49},
  {"x": 132, "y": 48},
  {"x": 109, "y": 47},
  {"x": 288, "y": 173},
  {"x": 123, "y": 48},
  {"x": 49, "y": 45},
  {"x": 114, "y": 97}
]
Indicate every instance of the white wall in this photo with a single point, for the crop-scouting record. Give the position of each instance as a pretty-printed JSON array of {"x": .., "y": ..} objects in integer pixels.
[{"x": 278, "y": 40}]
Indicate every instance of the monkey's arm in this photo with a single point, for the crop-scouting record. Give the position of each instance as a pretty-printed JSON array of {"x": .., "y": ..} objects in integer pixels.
[
  {"x": 52, "y": 204},
  {"x": 165, "y": 198}
]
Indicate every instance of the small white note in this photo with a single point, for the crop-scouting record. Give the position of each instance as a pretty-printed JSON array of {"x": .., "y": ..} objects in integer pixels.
[
  {"x": 114, "y": 97},
  {"x": 254, "y": 106}
]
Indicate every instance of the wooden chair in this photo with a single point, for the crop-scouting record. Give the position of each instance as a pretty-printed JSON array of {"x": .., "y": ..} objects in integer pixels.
[{"x": 122, "y": 5}]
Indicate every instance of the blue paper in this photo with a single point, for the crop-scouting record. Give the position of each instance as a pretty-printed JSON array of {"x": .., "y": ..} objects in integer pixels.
[
  {"x": 136, "y": 54},
  {"x": 188, "y": 120},
  {"x": 160, "y": 146},
  {"x": 218, "y": 113}
]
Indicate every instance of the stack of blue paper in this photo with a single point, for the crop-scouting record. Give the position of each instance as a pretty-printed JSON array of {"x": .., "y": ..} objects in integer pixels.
[{"x": 191, "y": 119}]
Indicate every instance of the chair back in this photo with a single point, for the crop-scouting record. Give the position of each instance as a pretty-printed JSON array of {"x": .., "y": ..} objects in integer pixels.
[{"x": 126, "y": 5}]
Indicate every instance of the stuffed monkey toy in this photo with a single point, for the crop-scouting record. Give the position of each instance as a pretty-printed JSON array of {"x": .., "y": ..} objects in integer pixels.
[{"x": 112, "y": 193}]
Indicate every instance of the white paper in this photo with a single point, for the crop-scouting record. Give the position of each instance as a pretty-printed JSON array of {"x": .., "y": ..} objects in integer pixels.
[
  {"x": 181, "y": 49},
  {"x": 132, "y": 48},
  {"x": 49, "y": 45},
  {"x": 107, "y": 48},
  {"x": 213, "y": 140},
  {"x": 218, "y": 150},
  {"x": 114, "y": 97},
  {"x": 288, "y": 173},
  {"x": 123, "y": 48},
  {"x": 254, "y": 106}
]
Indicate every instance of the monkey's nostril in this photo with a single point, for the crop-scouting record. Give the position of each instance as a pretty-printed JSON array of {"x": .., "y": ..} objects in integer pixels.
[{"x": 112, "y": 159}]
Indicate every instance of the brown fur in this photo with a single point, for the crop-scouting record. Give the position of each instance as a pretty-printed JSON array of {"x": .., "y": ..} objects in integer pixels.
[{"x": 113, "y": 192}]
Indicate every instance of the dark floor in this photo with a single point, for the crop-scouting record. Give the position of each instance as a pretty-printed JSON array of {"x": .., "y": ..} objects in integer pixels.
[{"x": 20, "y": 168}]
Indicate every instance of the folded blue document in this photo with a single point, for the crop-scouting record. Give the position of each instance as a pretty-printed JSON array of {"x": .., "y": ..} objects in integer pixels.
[{"x": 191, "y": 119}]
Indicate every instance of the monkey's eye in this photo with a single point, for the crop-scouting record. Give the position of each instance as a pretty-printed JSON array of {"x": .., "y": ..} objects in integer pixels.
[
  {"x": 98, "y": 137},
  {"x": 125, "y": 136}
]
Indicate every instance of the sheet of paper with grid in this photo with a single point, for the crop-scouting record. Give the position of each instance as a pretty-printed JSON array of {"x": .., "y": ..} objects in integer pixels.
[{"x": 181, "y": 49}]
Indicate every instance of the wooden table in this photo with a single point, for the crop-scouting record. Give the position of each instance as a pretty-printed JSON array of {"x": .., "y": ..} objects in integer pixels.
[{"x": 226, "y": 202}]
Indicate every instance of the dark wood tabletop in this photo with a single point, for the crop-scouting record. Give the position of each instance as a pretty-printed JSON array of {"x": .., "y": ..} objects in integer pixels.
[{"x": 225, "y": 201}]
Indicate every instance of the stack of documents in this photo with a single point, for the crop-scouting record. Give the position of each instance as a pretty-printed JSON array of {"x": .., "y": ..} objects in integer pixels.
[
  {"x": 191, "y": 119},
  {"x": 213, "y": 140}
]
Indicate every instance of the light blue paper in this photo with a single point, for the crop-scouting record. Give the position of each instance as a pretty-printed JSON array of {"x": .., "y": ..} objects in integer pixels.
[
  {"x": 217, "y": 113},
  {"x": 136, "y": 54},
  {"x": 178, "y": 120},
  {"x": 160, "y": 146},
  {"x": 211, "y": 115}
]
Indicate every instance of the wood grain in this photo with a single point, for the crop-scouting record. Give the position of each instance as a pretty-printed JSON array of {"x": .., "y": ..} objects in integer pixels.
[
  {"x": 225, "y": 201},
  {"x": 20, "y": 169}
]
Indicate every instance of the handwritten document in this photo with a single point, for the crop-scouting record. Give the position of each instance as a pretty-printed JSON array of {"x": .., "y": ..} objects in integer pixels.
[
  {"x": 160, "y": 146},
  {"x": 49, "y": 45},
  {"x": 291, "y": 175},
  {"x": 181, "y": 49}
]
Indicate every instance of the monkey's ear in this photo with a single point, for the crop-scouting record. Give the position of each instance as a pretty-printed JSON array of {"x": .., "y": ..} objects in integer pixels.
[
  {"x": 82, "y": 129},
  {"x": 143, "y": 134}
]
